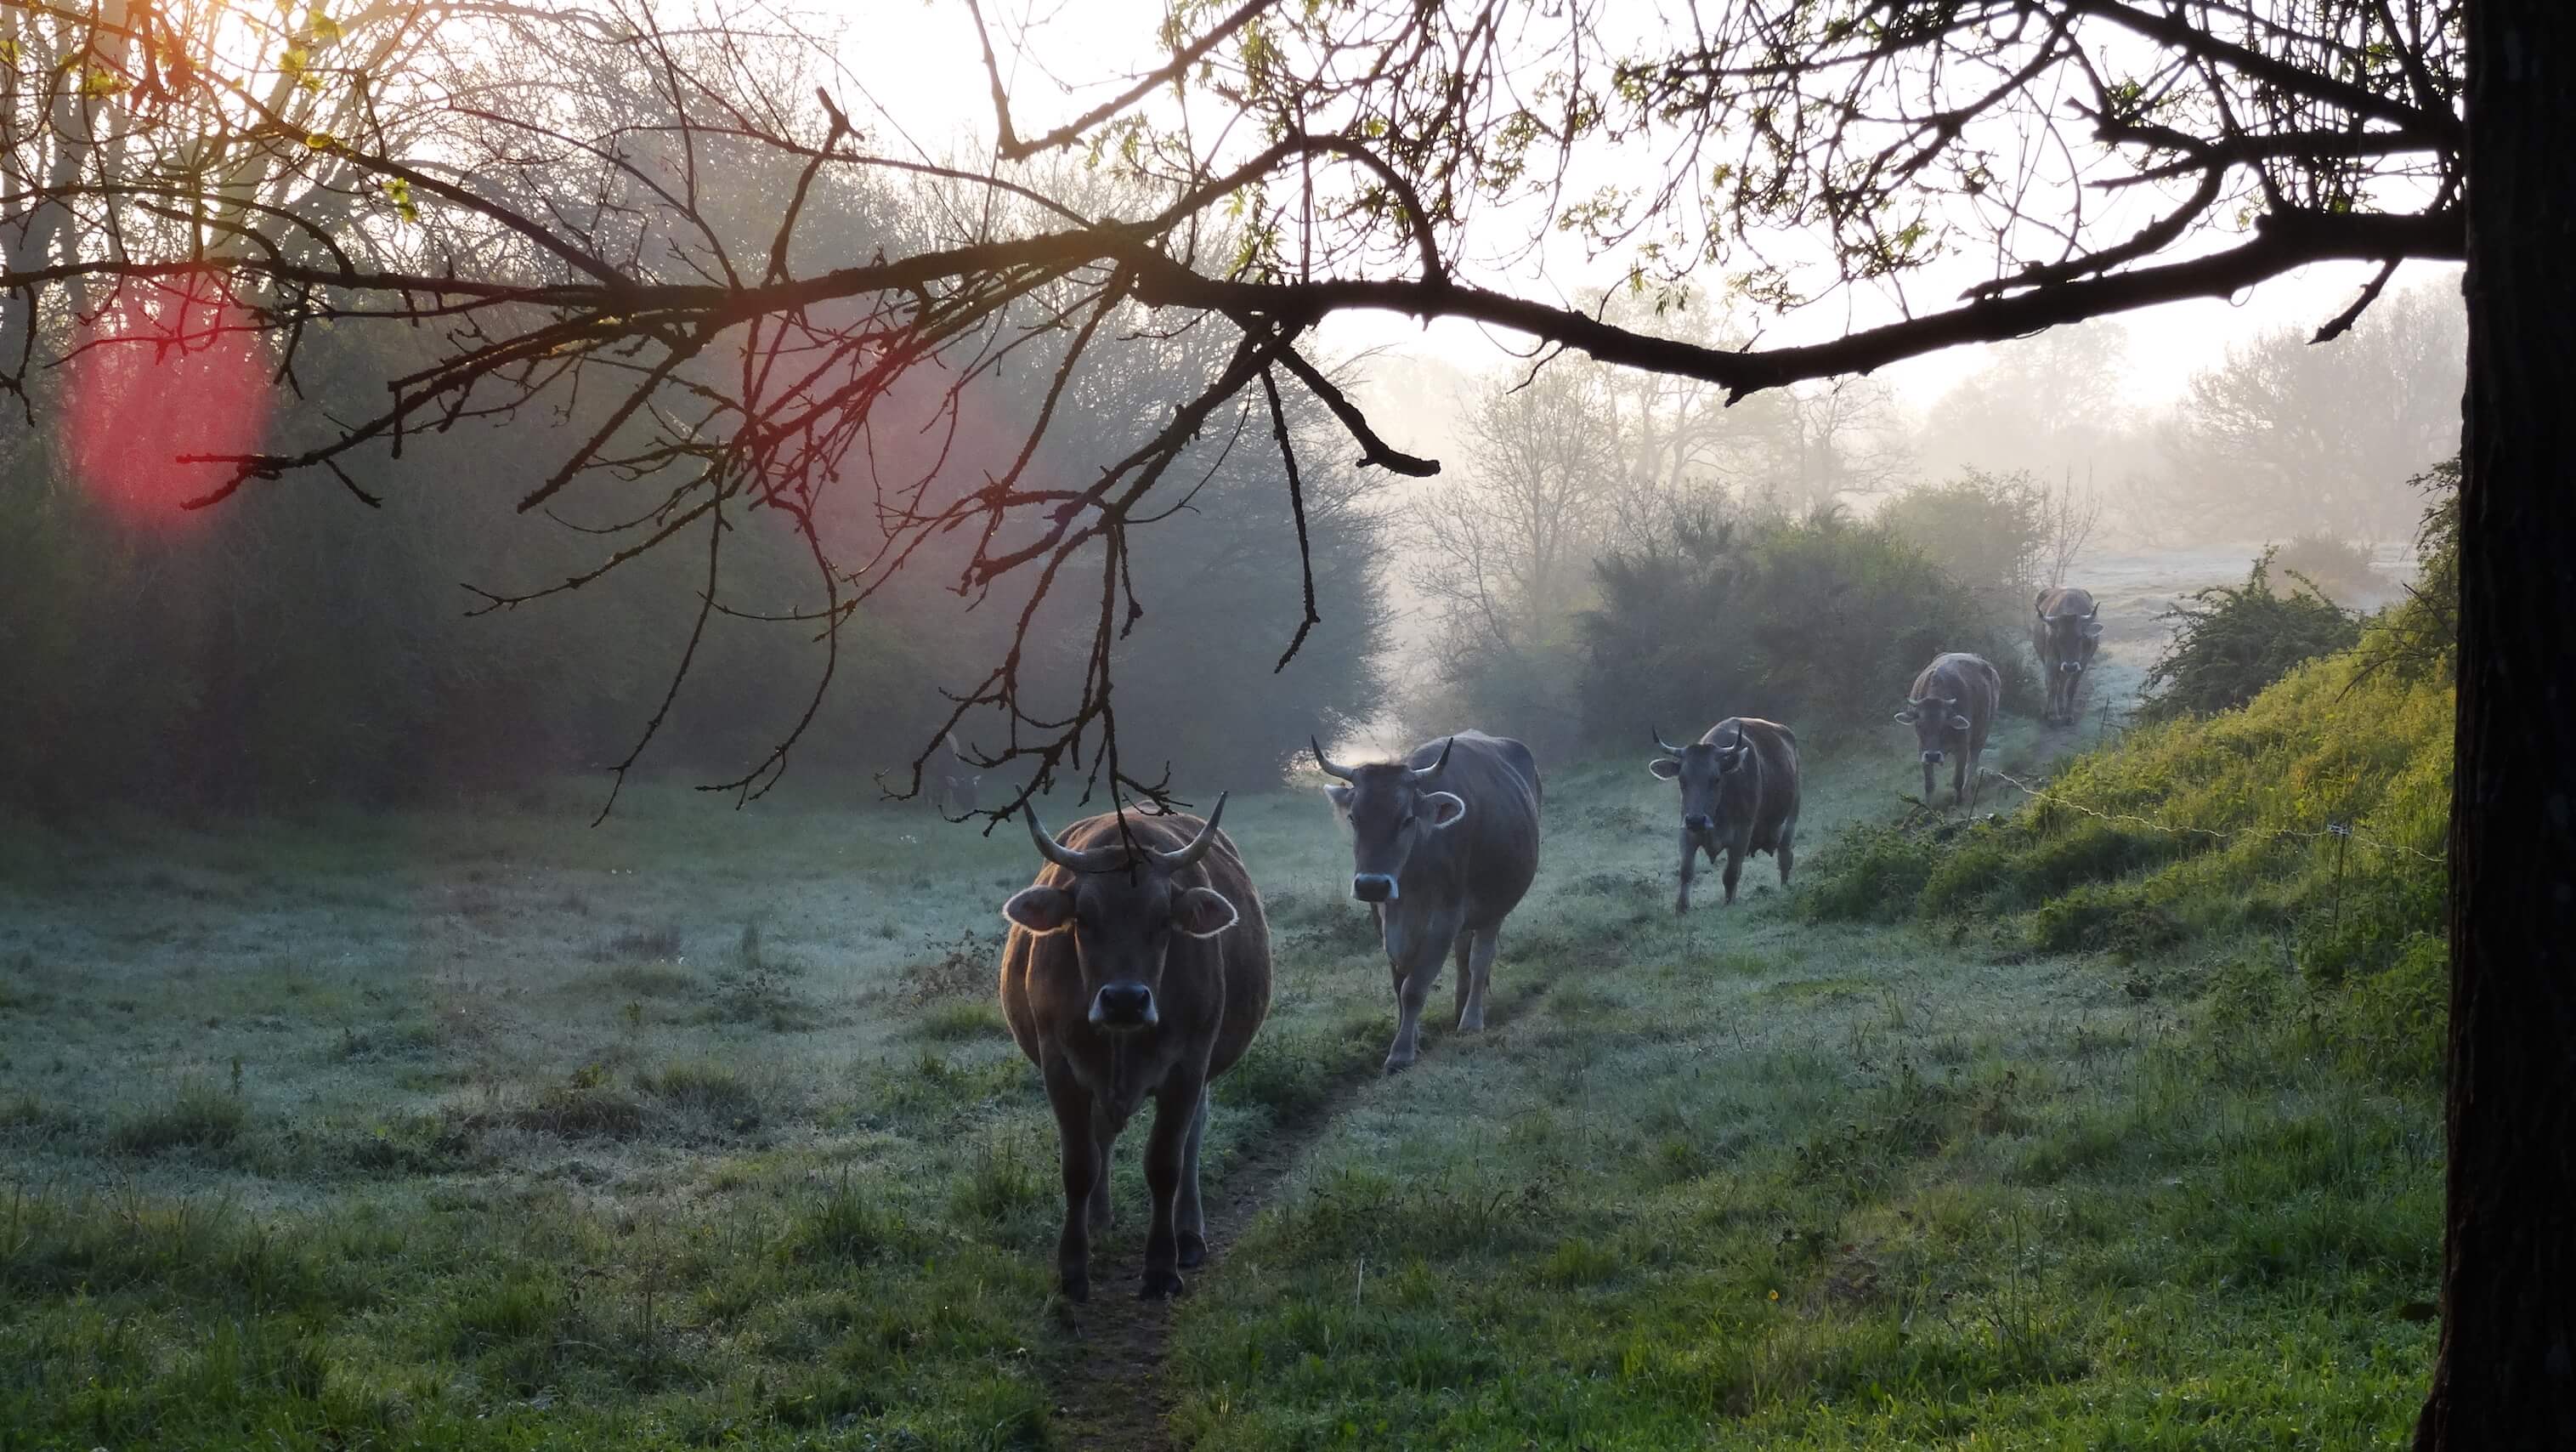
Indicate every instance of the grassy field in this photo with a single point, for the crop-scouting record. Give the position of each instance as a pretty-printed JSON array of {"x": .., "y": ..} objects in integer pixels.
[{"x": 488, "y": 1129}]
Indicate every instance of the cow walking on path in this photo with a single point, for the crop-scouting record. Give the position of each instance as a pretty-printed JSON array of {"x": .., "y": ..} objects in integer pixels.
[
  {"x": 1138, "y": 966},
  {"x": 1951, "y": 708},
  {"x": 1739, "y": 789},
  {"x": 1443, "y": 846},
  {"x": 2066, "y": 633}
]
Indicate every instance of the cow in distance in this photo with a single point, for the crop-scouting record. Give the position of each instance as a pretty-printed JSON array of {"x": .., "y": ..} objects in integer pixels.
[
  {"x": 1444, "y": 845},
  {"x": 2064, "y": 635},
  {"x": 1739, "y": 790},
  {"x": 1952, "y": 708}
]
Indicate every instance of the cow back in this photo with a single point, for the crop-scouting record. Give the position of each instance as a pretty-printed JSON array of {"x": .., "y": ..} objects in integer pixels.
[
  {"x": 1218, "y": 987},
  {"x": 1490, "y": 859}
]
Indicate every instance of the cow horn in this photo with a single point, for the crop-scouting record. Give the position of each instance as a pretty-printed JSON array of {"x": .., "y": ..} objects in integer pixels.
[
  {"x": 1197, "y": 846},
  {"x": 1660, "y": 741},
  {"x": 1428, "y": 772},
  {"x": 953, "y": 748},
  {"x": 1331, "y": 768},
  {"x": 2095, "y": 611},
  {"x": 1071, "y": 859}
]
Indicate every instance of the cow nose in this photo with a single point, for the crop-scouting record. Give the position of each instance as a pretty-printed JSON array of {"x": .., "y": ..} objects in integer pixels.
[
  {"x": 1123, "y": 1006},
  {"x": 1373, "y": 887},
  {"x": 2070, "y": 667},
  {"x": 1699, "y": 823},
  {"x": 1931, "y": 758}
]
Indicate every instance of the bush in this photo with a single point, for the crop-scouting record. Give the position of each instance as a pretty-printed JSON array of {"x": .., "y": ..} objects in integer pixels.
[
  {"x": 2231, "y": 641},
  {"x": 1987, "y": 532},
  {"x": 1820, "y": 623},
  {"x": 2421, "y": 635},
  {"x": 2334, "y": 566}
]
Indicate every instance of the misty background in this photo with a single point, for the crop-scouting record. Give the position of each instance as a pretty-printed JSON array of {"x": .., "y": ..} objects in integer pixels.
[{"x": 1602, "y": 550}]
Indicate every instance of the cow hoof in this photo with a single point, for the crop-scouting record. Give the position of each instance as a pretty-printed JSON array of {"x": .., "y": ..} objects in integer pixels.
[
  {"x": 1680, "y": 906},
  {"x": 1395, "y": 1065},
  {"x": 1160, "y": 1285},
  {"x": 1193, "y": 1252},
  {"x": 1077, "y": 1289}
]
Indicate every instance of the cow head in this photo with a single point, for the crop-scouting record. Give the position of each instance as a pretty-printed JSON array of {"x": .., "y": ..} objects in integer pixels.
[
  {"x": 1934, "y": 719},
  {"x": 2071, "y": 638},
  {"x": 1122, "y": 912},
  {"x": 1703, "y": 769},
  {"x": 1391, "y": 807}
]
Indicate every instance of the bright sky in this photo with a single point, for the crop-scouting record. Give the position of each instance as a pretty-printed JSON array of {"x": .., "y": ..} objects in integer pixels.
[{"x": 919, "y": 61}]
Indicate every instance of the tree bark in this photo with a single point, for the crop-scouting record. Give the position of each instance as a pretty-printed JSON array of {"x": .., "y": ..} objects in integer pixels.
[{"x": 2506, "y": 1372}]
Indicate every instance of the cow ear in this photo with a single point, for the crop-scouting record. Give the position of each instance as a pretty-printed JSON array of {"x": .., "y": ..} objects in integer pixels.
[
  {"x": 1909, "y": 716},
  {"x": 1202, "y": 912},
  {"x": 1445, "y": 809},
  {"x": 1041, "y": 910},
  {"x": 1960, "y": 723},
  {"x": 1664, "y": 767},
  {"x": 1340, "y": 794}
]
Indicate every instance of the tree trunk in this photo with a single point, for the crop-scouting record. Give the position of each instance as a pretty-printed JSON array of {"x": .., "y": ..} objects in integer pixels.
[{"x": 2506, "y": 1374}]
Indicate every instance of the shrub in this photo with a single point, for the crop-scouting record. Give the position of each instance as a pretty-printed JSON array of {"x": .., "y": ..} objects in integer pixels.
[
  {"x": 1987, "y": 532},
  {"x": 2333, "y": 566},
  {"x": 1820, "y": 622},
  {"x": 2231, "y": 641}
]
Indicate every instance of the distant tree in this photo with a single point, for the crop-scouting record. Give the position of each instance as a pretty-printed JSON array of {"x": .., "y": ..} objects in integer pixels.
[{"x": 2283, "y": 437}]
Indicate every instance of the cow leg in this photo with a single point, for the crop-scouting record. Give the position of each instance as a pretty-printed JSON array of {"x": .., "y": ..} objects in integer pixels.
[
  {"x": 1189, "y": 1213},
  {"x": 1466, "y": 975},
  {"x": 1690, "y": 858},
  {"x": 1959, "y": 782},
  {"x": 1083, "y": 1170},
  {"x": 1472, "y": 1019},
  {"x": 1176, "y": 1112},
  {"x": 1104, "y": 1136},
  {"x": 1786, "y": 854},
  {"x": 1734, "y": 870},
  {"x": 1412, "y": 990}
]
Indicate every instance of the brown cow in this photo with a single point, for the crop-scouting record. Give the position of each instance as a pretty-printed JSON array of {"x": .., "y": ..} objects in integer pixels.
[
  {"x": 1739, "y": 788},
  {"x": 1442, "y": 847},
  {"x": 1951, "y": 708},
  {"x": 2066, "y": 633},
  {"x": 1130, "y": 975}
]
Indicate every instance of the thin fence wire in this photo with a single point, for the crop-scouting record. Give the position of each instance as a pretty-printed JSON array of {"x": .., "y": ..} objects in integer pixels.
[{"x": 2335, "y": 830}]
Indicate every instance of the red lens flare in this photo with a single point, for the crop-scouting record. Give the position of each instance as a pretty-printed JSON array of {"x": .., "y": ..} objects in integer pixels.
[{"x": 166, "y": 367}]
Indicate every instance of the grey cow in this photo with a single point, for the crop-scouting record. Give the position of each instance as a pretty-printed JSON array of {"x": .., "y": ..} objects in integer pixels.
[
  {"x": 1443, "y": 845},
  {"x": 2066, "y": 632},
  {"x": 1951, "y": 708},
  {"x": 1739, "y": 788}
]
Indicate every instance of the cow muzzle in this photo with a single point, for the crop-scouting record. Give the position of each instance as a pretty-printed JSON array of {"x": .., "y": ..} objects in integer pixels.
[
  {"x": 1123, "y": 1007},
  {"x": 1699, "y": 822},
  {"x": 1373, "y": 887},
  {"x": 2070, "y": 667},
  {"x": 1931, "y": 758}
]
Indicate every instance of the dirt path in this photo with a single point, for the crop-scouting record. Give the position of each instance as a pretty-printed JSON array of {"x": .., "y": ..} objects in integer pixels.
[{"x": 1111, "y": 1391}]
